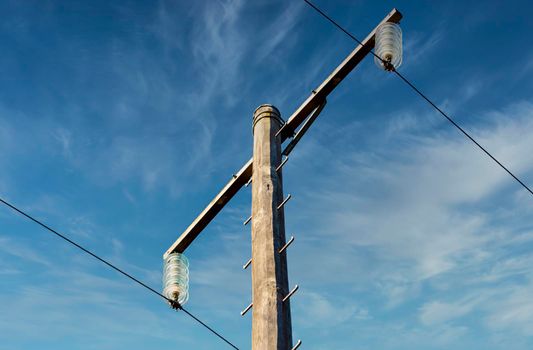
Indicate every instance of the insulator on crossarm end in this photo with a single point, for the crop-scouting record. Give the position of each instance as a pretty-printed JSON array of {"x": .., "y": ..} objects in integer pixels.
[
  {"x": 388, "y": 48},
  {"x": 176, "y": 279}
]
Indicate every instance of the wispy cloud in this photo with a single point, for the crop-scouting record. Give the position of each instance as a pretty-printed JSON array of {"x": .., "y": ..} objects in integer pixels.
[
  {"x": 419, "y": 46},
  {"x": 314, "y": 310},
  {"x": 405, "y": 232},
  {"x": 405, "y": 222},
  {"x": 277, "y": 31},
  {"x": 439, "y": 312},
  {"x": 24, "y": 252}
]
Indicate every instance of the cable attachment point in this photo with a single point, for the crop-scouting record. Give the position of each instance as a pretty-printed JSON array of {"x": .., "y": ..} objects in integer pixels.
[
  {"x": 174, "y": 304},
  {"x": 388, "y": 66}
]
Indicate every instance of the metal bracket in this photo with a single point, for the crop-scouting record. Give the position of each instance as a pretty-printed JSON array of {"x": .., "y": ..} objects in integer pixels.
[
  {"x": 245, "y": 266},
  {"x": 281, "y": 129},
  {"x": 304, "y": 128},
  {"x": 297, "y": 345},
  {"x": 290, "y": 293},
  {"x": 282, "y": 249},
  {"x": 282, "y": 164},
  {"x": 284, "y": 201},
  {"x": 248, "y": 183},
  {"x": 243, "y": 312}
]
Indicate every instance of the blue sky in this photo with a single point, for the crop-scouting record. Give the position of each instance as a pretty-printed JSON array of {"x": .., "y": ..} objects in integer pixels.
[{"x": 119, "y": 121}]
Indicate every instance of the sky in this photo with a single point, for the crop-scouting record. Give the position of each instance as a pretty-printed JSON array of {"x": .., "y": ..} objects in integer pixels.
[{"x": 119, "y": 121}]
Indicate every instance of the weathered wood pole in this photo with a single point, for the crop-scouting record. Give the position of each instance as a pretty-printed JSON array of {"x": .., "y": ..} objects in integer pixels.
[{"x": 271, "y": 317}]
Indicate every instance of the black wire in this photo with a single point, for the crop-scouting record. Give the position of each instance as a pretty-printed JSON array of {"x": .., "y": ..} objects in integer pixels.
[
  {"x": 176, "y": 305},
  {"x": 333, "y": 21},
  {"x": 206, "y": 326},
  {"x": 173, "y": 303},
  {"x": 390, "y": 67},
  {"x": 462, "y": 130}
]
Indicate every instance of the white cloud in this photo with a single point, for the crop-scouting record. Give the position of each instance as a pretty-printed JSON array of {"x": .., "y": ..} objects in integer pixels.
[
  {"x": 64, "y": 138},
  {"x": 218, "y": 47},
  {"x": 313, "y": 310},
  {"x": 277, "y": 32},
  {"x": 414, "y": 218},
  {"x": 437, "y": 312},
  {"x": 13, "y": 248},
  {"x": 419, "y": 46},
  {"x": 513, "y": 311}
]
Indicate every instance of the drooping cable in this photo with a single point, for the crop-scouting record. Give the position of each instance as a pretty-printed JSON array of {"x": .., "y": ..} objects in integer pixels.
[
  {"x": 421, "y": 94},
  {"x": 174, "y": 304}
]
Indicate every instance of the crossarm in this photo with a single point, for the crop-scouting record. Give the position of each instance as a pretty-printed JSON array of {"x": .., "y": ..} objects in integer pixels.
[{"x": 310, "y": 104}]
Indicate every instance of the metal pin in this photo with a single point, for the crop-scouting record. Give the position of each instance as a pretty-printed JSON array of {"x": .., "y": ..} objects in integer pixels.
[
  {"x": 286, "y": 245},
  {"x": 243, "y": 312},
  {"x": 284, "y": 201},
  {"x": 291, "y": 293},
  {"x": 247, "y": 221},
  {"x": 282, "y": 164},
  {"x": 245, "y": 266},
  {"x": 248, "y": 183},
  {"x": 297, "y": 345},
  {"x": 280, "y": 129}
]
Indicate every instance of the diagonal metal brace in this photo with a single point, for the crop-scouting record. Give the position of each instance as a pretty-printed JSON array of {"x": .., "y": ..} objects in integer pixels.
[{"x": 304, "y": 128}]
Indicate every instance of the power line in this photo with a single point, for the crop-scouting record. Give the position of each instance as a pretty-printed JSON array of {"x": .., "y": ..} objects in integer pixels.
[
  {"x": 206, "y": 326},
  {"x": 421, "y": 94},
  {"x": 462, "y": 130},
  {"x": 173, "y": 303}
]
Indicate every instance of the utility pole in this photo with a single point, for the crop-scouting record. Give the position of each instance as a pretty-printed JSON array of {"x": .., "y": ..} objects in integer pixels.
[{"x": 271, "y": 316}]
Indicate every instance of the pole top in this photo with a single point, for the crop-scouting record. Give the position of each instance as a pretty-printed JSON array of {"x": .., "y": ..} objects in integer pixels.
[{"x": 267, "y": 111}]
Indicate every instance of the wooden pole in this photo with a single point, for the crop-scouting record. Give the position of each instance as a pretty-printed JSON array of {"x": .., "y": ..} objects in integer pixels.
[{"x": 271, "y": 316}]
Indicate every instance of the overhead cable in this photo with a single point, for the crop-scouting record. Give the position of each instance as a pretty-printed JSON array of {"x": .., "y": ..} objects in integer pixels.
[
  {"x": 173, "y": 303},
  {"x": 421, "y": 94}
]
